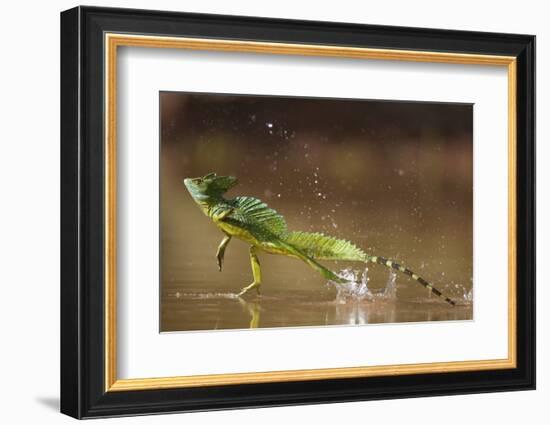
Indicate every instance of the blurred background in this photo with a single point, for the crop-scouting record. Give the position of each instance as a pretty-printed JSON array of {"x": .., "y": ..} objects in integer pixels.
[{"x": 395, "y": 178}]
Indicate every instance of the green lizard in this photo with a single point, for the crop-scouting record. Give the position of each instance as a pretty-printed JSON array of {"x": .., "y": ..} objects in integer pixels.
[{"x": 252, "y": 221}]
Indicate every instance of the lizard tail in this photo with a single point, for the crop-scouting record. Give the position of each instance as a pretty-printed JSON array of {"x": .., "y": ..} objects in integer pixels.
[
  {"x": 395, "y": 266},
  {"x": 312, "y": 247}
]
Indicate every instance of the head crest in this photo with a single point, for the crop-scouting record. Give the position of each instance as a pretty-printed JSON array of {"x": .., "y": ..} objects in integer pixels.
[{"x": 209, "y": 185}]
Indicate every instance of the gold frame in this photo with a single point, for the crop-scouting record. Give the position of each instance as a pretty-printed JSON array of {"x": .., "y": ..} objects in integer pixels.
[{"x": 113, "y": 41}]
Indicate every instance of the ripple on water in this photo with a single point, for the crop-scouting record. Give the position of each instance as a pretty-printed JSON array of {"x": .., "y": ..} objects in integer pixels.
[{"x": 205, "y": 295}]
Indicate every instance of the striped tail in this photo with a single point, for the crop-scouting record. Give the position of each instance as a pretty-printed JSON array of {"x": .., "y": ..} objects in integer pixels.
[{"x": 390, "y": 264}]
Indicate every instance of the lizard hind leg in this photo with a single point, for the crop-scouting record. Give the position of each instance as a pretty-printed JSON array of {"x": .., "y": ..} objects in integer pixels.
[
  {"x": 256, "y": 272},
  {"x": 322, "y": 270}
]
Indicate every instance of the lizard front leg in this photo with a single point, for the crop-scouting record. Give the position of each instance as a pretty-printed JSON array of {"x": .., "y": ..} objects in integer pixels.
[
  {"x": 221, "y": 250},
  {"x": 256, "y": 272}
]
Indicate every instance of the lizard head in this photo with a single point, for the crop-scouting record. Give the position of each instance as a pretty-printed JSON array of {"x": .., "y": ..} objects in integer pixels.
[{"x": 209, "y": 186}]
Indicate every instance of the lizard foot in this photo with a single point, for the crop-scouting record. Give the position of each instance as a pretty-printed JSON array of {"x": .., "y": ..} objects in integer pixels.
[{"x": 250, "y": 287}]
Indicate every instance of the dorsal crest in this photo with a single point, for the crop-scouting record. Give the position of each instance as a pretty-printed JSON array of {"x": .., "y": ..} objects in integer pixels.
[
  {"x": 323, "y": 247},
  {"x": 255, "y": 212}
]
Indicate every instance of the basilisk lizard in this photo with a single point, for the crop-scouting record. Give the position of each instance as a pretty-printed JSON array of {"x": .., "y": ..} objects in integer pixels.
[{"x": 252, "y": 221}]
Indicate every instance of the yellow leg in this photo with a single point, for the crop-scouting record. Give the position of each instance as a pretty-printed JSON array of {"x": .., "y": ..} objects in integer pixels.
[
  {"x": 221, "y": 250},
  {"x": 326, "y": 273},
  {"x": 256, "y": 272}
]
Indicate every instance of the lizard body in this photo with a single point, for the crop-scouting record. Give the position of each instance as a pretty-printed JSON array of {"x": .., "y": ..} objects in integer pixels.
[{"x": 252, "y": 221}]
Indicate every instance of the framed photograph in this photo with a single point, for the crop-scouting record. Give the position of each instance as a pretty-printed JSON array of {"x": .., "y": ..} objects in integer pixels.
[{"x": 261, "y": 212}]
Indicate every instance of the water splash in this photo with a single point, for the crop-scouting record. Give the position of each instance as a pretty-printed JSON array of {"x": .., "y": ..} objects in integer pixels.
[
  {"x": 466, "y": 295},
  {"x": 357, "y": 288}
]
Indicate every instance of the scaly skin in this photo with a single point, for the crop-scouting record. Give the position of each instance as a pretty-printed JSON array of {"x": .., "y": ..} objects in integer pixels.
[{"x": 252, "y": 221}]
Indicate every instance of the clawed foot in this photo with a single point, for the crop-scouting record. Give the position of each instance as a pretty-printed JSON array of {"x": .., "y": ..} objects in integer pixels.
[
  {"x": 250, "y": 287},
  {"x": 220, "y": 262}
]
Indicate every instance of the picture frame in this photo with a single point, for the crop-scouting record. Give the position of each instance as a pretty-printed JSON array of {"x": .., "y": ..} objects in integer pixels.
[{"x": 90, "y": 41}]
